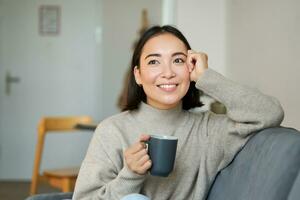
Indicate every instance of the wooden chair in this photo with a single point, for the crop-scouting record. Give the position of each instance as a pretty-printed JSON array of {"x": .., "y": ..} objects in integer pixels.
[{"x": 64, "y": 179}]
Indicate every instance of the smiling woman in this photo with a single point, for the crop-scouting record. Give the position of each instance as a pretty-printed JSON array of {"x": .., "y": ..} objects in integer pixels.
[{"x": 164, "y": 83}]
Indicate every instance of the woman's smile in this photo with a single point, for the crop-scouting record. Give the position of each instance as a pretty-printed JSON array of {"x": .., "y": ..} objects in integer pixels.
[{"x": 168, "y": 87}]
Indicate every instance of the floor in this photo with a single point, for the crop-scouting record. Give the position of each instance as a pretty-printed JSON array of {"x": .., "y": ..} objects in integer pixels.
[{"x": 19, "y": 190}]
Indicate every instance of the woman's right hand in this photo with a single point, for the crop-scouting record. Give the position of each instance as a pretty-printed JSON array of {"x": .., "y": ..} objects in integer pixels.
[
  {"x": 137, "y": 158},
  {"x": 197, "y": 63}
]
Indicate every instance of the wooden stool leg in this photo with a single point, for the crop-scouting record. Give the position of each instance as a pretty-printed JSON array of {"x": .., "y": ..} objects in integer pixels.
[
  {"x": 37, "y": 158},
  {"x": 66, "y": 185},
  {"x": 33, "y": 186}
]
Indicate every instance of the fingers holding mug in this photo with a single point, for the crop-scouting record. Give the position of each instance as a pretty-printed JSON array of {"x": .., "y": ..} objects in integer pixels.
[{"x": 136, "y": 157}]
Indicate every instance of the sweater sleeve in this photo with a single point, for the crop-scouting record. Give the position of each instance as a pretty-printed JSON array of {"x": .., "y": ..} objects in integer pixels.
[
  {"x": 248, "y": 110},
  {"x": 102, "y": 175}
]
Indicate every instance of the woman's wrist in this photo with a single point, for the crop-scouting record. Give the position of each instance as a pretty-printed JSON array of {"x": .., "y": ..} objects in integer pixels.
[{"x": 198, "y": 75}]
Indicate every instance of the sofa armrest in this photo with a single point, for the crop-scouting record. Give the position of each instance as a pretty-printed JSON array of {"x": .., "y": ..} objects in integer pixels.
[
  {"x": 266, "y": 168},
  {"x": 51, "y": 196}
]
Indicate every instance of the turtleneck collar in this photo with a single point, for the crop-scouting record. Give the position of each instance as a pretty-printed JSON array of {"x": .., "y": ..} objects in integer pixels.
[{"x": 158, "y": 121}]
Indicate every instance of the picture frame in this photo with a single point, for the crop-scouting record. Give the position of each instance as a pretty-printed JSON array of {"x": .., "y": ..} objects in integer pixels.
[{"x": 49, "y": 20}]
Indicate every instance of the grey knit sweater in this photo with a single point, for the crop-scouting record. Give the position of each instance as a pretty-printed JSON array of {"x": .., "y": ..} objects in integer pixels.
[{"x": 207, "y": 143}]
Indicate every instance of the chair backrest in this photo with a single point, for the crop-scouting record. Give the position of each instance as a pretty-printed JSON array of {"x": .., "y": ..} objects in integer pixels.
[
  {"x": 52, "y": 125},
  {"x": 48, "y": 124}
]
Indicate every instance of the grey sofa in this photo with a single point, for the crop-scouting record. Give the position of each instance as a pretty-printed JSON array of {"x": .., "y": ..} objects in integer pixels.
[{"x": 267, "y": 168}]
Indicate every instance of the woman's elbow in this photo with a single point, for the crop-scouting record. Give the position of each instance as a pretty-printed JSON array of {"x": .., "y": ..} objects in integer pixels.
[{"x": 276, "y": 114}]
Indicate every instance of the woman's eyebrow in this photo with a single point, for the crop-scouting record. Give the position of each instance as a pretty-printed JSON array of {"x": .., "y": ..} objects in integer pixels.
[
  {"x": 153, "y": 54},
  {"x": 179, "y": 53},
  {"x": 159, "y": 55}
]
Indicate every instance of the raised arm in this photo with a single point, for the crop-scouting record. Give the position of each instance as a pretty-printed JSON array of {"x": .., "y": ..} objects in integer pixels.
[{"x": 248, "y": 110}]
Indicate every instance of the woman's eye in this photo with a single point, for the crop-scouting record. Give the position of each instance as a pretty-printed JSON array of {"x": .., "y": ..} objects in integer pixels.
[
  {"x": 153, "y": 62},
  {"x": 179, "y": 60}
]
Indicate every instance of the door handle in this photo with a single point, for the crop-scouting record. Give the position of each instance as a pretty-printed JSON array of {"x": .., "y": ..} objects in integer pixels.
[{"x": 9, "y": 80}]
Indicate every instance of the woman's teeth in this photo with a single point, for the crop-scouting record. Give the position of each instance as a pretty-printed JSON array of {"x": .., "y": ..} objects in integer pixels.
[{"x": 167, "y": 86}]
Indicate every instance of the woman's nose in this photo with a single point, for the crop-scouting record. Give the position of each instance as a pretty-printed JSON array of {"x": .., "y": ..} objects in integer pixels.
[{"x": 168, "y": 72}]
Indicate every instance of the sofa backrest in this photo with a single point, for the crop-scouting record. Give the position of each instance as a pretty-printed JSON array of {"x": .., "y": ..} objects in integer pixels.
[{"x": 267, "y": 168}]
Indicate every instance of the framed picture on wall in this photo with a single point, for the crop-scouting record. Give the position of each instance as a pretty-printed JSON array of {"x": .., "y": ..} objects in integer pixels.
[{"x": 49, "y": 19}]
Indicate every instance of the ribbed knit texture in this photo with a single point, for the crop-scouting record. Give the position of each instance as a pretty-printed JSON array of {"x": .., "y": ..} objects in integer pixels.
[{"x": 207, "y": 143}]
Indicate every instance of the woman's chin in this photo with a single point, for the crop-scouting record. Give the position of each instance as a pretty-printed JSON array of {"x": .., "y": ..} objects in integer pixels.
[{"x": 169, "y": 104}]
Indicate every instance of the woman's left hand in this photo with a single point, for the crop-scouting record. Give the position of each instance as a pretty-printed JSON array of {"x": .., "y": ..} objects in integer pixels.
[{"x": 197, "y": 64}]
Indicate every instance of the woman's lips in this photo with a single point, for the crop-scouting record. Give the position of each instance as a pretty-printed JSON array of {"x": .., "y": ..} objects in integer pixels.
[{"x": 168, "y": 87}]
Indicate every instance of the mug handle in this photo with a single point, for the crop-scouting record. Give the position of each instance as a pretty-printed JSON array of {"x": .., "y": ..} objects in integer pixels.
[{"x": 147, "y": 144}]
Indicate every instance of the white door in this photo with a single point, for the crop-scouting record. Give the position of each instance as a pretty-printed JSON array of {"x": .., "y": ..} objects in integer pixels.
[{"x": 45, "y": 75}]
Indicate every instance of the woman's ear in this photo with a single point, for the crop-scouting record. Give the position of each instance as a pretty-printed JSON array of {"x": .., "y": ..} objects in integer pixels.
[{"x": 137, "y": 75}]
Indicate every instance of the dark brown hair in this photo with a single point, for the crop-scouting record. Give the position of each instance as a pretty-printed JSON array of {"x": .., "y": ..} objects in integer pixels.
[{"x": 134, "y": 93}]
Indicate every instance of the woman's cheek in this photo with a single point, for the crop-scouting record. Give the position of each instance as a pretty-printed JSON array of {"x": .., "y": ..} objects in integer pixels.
[
  {"x": 149, "y": 75},
  {"x": 185, "y": 73}
]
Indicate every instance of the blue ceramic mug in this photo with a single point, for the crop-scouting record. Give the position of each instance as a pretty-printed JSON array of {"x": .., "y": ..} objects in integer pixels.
[{"x": 162, "y": 152}]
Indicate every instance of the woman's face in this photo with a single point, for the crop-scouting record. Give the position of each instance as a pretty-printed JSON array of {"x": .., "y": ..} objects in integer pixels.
[{"x": 163, "y": 72}]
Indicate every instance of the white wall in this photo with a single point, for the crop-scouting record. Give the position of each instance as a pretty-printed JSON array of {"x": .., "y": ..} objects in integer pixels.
[
  {"x": 122, "y": 21},
  {"x": 202, "y": 22},
  {"x": 2, "y": 90},
  {"x": 253, "y": 42},
  {"x": 60, "y": 75},
  {"x": 263, "y": 47}
]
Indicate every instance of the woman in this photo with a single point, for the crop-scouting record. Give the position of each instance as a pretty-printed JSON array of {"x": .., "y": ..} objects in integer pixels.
[{"x": 164, "y": 84}]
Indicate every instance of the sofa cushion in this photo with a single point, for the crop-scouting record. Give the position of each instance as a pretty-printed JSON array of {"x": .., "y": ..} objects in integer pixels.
[
  {"x": 295, "y": 191},
  {"x": 267, "y": 168}
]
